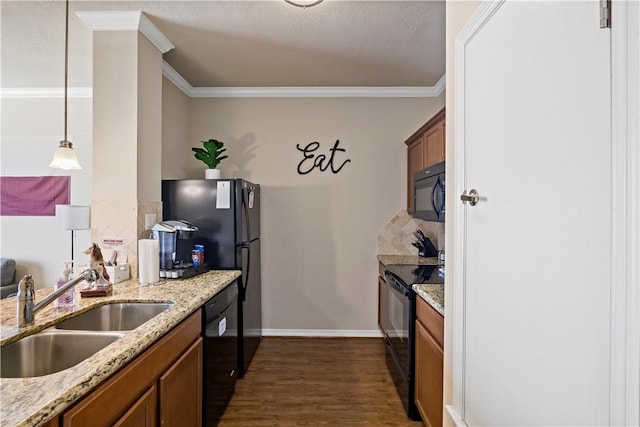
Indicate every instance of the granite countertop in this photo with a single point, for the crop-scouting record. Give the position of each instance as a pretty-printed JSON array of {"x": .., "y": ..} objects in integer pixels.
[
  {"x": 32, "y": 401},
  {"x": 433, "y": 294},
  {"x": 406, "y": 259}
]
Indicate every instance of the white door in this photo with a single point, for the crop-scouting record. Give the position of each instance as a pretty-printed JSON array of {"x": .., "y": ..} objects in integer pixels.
[{"x": 535, "y": 142}]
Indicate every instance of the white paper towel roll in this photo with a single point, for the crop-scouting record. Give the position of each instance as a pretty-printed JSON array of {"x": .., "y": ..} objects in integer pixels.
[{"x": 148, "y": 261}]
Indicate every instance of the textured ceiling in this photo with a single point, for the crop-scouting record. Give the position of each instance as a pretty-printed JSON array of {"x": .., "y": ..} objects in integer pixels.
[{"x": 245, "y": 43}]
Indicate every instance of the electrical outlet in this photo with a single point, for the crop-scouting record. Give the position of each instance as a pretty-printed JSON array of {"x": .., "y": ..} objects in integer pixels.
[{"x": 149, "y": 221}]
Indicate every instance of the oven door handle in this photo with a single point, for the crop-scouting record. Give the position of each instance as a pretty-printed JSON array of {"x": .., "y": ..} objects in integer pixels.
[{"x": 396, "y": 286}]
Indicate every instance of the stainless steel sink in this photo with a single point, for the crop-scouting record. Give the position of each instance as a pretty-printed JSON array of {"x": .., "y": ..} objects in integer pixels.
[
  {"x": 50, "y": 351},
  {"x": 114, "y": 317}
]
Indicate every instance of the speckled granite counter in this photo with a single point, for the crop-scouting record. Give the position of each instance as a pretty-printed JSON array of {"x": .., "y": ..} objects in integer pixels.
[
  {"x": 31, "y": 401},
  {"x": 433, "y": 294},
  {"x": 406, "y": 259}
]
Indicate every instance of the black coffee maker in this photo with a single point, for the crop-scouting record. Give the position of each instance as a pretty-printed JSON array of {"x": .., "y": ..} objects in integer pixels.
[{"x": 175, "y": 243}]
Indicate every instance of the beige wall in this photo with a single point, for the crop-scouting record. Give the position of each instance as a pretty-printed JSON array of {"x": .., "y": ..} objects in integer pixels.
[
  {"x": 457, "y": 14},
  {"x": 319, "y": 230},
  {"x": 176, "y": 160},
  {"x": 149, "y": 141},
  {"x": 127, "y": 106}
]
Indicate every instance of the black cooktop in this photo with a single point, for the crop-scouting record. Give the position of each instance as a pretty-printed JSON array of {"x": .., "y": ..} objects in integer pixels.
[{"x": 412, "y": 274}]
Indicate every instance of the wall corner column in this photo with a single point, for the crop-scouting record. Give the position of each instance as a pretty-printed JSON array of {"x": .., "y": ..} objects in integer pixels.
[{"x": 127, "y": 125}]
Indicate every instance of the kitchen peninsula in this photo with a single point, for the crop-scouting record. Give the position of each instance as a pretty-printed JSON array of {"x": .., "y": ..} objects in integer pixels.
[{"x": 35, "y": 400}]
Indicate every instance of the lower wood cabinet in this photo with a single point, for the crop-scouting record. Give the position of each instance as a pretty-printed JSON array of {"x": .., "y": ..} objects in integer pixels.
[
  {"x": 161, "y": 386},
  {"x": 181, "y": 390},
  {"x": 142, "y": 413},
  {"x": 429, "y": 363}
]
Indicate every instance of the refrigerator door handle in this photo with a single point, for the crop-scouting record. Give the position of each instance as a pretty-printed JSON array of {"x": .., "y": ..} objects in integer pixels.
[
  {"x": 246, "y": 245},
  {"x": 245, "y": 210},
  {"x": 245, "y": 275}
]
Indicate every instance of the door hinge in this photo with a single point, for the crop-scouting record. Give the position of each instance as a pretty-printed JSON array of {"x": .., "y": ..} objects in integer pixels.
[{"x": 605, "y": 13}]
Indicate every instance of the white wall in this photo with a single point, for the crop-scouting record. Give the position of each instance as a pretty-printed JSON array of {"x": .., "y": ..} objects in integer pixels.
[
  {"x": 31, "y": 131},
  {"x": 33, "y": 127},
  {"x": 319, "y": 230}
]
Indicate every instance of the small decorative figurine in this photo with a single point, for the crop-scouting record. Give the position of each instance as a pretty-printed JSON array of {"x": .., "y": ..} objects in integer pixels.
[{"x": 96, "y": 261}]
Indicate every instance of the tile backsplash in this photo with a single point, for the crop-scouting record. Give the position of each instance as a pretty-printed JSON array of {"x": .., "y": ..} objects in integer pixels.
[{"x": 396, "y": 236}]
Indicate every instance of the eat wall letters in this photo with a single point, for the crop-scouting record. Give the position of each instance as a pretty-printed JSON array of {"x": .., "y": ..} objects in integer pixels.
[{"x": 310, "y": 161}]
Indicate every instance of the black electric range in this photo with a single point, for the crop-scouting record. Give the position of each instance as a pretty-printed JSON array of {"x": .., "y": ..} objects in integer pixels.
[
  {"x": 397, "y": 318},
  {"x": 413, "y": 274}
]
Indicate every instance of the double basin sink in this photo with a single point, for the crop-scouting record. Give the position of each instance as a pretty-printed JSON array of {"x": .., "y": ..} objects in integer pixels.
[{"x": 75, "y": 339}]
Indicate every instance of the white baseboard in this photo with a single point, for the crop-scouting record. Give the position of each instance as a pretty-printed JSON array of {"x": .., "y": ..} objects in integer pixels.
[
  {"x": 365, "y": 333},
  {"x": 455, "y": 416}
]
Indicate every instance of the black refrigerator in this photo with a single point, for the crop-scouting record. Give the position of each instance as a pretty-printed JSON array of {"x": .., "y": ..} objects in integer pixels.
[{"x": 227, "y": 214}]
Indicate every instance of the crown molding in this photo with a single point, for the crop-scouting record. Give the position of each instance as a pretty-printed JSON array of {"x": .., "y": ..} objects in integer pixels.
[
  {"x": 174, "y": 77},
  {"x": 313, "y": 92},
  {"x": 127, "y": 21},
  {"x": 300, "y": 92},
  {"x": 45, "y": 92},
  {"x": 440, "y": 86},
  {"x": 242, "y": 92}
]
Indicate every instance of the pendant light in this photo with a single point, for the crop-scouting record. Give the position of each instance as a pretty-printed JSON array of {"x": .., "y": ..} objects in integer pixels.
[
  {"x": 303, "y": 5},
  {"x": 64, "y": 157}
]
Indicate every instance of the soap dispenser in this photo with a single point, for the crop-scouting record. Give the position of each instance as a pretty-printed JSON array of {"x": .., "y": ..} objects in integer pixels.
[{"x": 67, "y": 298}]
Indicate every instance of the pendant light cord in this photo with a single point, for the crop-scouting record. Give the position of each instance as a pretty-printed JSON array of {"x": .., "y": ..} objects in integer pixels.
[{"x": 66, "y": 66}]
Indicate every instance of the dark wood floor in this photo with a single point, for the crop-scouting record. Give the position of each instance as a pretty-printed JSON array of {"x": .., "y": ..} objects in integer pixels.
[{"x": 317, "y": 381}]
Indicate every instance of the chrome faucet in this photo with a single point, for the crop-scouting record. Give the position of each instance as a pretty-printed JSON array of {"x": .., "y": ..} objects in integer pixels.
[{"x": 27, "y": 308}]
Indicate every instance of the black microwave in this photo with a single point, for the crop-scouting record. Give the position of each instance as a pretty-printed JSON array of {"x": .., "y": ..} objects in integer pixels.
[{"x": 428, "y": 193}]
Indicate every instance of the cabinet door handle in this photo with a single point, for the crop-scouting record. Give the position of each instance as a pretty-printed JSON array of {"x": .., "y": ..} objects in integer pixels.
[{"x": 472, "y": 197}]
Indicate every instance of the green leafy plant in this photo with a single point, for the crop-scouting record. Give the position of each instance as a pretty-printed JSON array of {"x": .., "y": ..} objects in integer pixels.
[{"x": 211, "y": 153}]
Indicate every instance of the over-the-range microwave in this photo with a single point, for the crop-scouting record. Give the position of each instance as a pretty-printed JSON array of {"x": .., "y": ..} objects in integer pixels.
[{"x": 428, "y": 193}]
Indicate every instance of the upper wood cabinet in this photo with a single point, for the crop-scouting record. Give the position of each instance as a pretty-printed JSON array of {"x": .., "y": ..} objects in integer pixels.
[
  {"x": 433, "y": 141},
  {"x": 425, "y": 147}
]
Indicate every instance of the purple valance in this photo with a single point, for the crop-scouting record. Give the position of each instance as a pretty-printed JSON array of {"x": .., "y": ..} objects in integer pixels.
[{"x": 33, "y": 195}]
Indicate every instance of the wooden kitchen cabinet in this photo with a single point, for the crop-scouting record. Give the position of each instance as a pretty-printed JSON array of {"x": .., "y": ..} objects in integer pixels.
[
  {"x": 429, "y": 363},
  {"x": 142, "y": 413},
  {"x": 425, "y": 147},
  {"x": 415, "y": 153},
  {"x": 135, "y": 394},
  {"x": 181, "y": 390},
  {"x": 433, "y": 141},
  {"x": 51, "y": 423}
]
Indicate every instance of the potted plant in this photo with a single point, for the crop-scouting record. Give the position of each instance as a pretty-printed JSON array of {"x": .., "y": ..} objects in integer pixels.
[{"x": 211, "y": 155}]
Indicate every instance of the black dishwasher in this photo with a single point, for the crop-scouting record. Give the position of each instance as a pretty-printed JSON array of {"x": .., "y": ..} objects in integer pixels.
[{"x": 220, "y": 358}]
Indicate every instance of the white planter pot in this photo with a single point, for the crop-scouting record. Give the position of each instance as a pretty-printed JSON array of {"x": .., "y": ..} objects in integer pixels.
[{"x": 212, "y": 173}]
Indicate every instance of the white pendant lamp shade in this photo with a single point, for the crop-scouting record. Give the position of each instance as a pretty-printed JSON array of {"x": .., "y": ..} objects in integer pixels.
[{"x": 64, "y": 157}]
